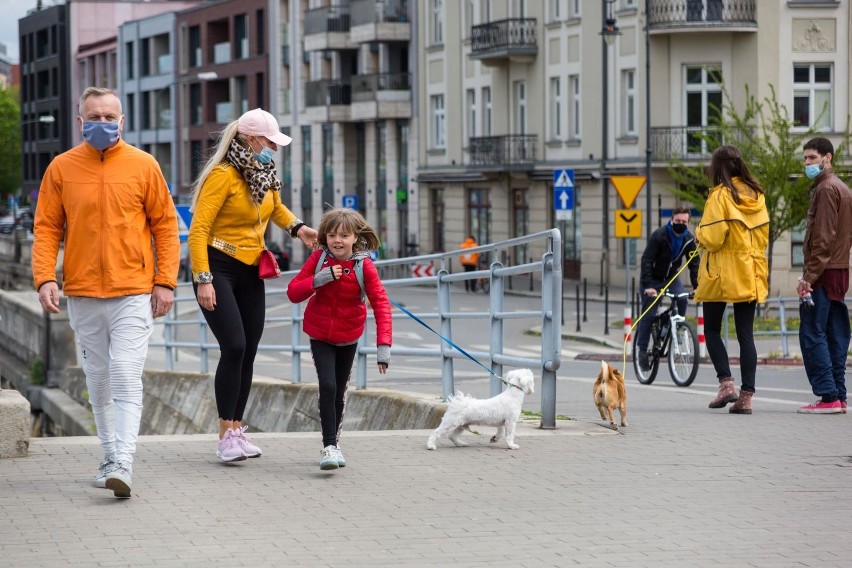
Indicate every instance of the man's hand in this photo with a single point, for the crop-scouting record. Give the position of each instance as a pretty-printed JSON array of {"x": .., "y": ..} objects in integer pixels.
[
  {"x": 308, "y": 236},
  {"x": 803, "y": 287},
  {"x": 651, "y": 292},
  {"x": 161, "y": 300},
  {"x": 48, "y": 297}
]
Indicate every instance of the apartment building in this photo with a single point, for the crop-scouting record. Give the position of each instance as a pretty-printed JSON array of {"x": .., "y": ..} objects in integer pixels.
[
  {"x": 511, "y": 91},
  {"x": 345, "y": 74}
]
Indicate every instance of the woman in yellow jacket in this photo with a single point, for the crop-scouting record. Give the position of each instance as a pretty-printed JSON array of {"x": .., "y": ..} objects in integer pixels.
[
  {"x": 734, "y": 233},
  {"x": 233, "y": 200}
]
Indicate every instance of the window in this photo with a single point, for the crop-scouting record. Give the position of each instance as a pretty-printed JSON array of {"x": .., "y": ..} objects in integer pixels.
[
  {"x": 328, "y": 162},
  {"x": 471, "y": 113},
  {"x": 628, "y": 4},
  {"x": 307, "y": 178},
  {"x": 130, "y": 114},
  {"x": 574, "y": 107},
  {"x": 555, "y": 108},
  {"x": 555, "y": 10},
  {"x": 261, "y": 33},
  {"x": 479, "y": 215},
  {"x": 241, "y": 48},
  {"x": 437, "y": 22},
  {"x": 703, "y": 104},
  {"x": 797, "y": 242},
  {"x": 520, "y": 222},
  {"x": 439, "y": 125},
  {"x": 468, "y": 17},
  {"x": 436, "y": 202},
  {"x": 812, "y": 95},
  {"x": 195, "y": 109},
  {"x": 520, "y": 107},
  {"x": 129, "y": 65},
  {"x": 486, "y": 111},
  {"x": 574, "y": 8},
  {"x": 195, "y": 47},
  {"x": 628, "y": 102},
  {"x": 484, "y": 11}
]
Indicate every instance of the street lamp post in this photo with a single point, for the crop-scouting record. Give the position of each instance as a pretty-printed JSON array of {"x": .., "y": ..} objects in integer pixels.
[
  {"x": 648, "y": 144},
  {"x": 609, "y": 31}
]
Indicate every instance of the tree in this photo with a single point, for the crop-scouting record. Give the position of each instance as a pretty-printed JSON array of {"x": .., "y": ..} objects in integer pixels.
[
  {"x": 764, "y": 133},
  {"x": 10, "y": 143}
]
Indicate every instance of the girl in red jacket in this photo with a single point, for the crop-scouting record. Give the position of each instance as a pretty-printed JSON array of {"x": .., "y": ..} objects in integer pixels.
[{"x": 336, "y": 314}]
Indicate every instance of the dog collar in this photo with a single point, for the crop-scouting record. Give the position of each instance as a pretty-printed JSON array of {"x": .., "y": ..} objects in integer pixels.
[{"x": 510, "y": 384}]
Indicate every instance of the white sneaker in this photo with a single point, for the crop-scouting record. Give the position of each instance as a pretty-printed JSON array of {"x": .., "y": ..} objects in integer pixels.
[
  {"x": 119, "y": 480},
  {"x": 228, "y": 449},
  {"x": 245, "y": 443},
  {"x": 328, "y": 458},
  {"x": 106, "y": 466},
  {"x": 341, "y": 461}
]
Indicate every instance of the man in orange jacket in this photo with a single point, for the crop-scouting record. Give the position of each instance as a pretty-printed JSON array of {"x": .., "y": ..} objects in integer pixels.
[
  {"x": 109, "y": 201},
  {"x": 470, "y": 262}
]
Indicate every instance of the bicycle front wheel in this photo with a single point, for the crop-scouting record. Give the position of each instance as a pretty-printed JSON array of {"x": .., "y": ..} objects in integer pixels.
[
  {"x": 683, "y": 355},
  {"x": 645, "y": 374}
]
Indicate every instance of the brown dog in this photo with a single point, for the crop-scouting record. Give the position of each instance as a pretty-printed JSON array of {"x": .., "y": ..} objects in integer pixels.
[{"x": 609, "y": 394}]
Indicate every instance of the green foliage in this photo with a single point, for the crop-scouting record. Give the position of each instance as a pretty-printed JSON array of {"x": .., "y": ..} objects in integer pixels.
[
  {"x": 37, "y": 372},
  {"x": 10, "y": 143}
]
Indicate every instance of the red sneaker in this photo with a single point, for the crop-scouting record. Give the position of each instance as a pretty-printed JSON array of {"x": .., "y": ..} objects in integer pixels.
[
  {"x": 843, "y": 407},
  {"x": 820, "y": 407}
]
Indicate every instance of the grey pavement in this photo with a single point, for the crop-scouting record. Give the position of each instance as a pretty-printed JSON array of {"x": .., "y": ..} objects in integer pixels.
[{"x": 682, "y": 486}]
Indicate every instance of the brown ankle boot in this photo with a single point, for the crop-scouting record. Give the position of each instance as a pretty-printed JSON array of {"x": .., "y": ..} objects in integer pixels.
[
  {"x": 727, "y": 393},
  {"x": 743, "y": 404}
]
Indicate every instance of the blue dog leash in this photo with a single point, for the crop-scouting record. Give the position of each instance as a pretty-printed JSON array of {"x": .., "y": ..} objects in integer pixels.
[{"x": 460, "y": 350}]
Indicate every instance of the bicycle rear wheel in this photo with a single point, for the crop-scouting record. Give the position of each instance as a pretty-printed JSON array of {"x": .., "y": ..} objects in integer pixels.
[
  {"x": 683, "y": 355},
  {"x": 646, "y": 376}
]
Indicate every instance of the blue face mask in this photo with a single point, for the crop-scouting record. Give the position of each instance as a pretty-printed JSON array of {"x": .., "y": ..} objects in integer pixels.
[
  {"x": 265, "y": 155},
  {"x": 813, "y": 170},
  {"x": 100, "y": 135}
]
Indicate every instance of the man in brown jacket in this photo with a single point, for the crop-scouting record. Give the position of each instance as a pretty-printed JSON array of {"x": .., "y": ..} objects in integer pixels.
[{"x": 824, "y": 330}]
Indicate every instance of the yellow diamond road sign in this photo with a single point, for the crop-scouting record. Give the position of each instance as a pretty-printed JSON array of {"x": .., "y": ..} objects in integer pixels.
[
  {"x": 628, "y": 188},
  {"x": 628, "y": 223}
]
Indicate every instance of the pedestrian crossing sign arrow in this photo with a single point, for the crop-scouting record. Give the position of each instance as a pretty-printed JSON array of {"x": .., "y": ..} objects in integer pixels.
[{"x": 628, "y": 188}]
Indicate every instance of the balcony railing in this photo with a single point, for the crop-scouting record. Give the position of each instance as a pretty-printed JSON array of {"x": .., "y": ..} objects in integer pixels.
[
  {"x": 688, "y": 142},
  {"x": 376, "y": 12},
  {"x": 509, "y": 152},
  {"x": 327, "y": 93},
  {"x": 328, "y": 19},
  {"x": 512, "y": 35},
  {"x": 666, "y": 14},
  {"x": 381, "y": 87}
]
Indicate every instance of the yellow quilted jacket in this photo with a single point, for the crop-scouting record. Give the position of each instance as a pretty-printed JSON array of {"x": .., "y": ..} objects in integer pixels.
[{"x": 734, "y": 238}]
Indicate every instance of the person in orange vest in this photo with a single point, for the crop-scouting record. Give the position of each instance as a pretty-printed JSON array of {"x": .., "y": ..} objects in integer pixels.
[{"x": 470, "y": 262}]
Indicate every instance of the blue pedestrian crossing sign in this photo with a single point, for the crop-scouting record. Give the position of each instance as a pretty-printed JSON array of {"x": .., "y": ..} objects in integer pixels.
[
  {"x": 563, "y": 194},
  {"x": 350, "y": 201},
  {"x": 184, "y": 216}
]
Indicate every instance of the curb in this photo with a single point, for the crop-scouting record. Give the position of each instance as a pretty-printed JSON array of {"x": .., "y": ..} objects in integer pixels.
[{"x": 780, "y": 361}]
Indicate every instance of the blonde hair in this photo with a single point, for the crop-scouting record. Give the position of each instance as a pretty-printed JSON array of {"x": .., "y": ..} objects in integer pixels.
[
  {"x": 223, "y": 143},
  {"x": 350, "y": 221},
  {"x": 97, "y": 92}
]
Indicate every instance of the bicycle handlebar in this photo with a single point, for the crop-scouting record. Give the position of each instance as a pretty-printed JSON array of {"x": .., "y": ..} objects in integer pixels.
[{"x": 689, "y": 295}]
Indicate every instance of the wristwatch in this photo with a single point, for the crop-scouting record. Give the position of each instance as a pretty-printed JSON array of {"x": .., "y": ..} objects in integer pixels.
[{"x": 204, "y": 278}]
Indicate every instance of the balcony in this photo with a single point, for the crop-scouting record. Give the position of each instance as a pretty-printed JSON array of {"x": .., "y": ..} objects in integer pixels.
[
  {"x": 328, "y": 28},
  {"x": 381, "y": 96},
  {"x": 668, "y": 16},
  {"x": 327, "y": 100},
  {"x": 383, "y": 21},
  {"x": 498, "y": 42},
  {"x": 688, "y": 143},
  {"x": 512, "y": 152}
]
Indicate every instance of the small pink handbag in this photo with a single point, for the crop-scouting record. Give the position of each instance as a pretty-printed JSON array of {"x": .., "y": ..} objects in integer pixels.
[{"x": 268, "y": 267}]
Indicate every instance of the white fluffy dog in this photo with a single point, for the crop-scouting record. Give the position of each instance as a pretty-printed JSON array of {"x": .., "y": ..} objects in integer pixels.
[{"x": 502, "y": 411}]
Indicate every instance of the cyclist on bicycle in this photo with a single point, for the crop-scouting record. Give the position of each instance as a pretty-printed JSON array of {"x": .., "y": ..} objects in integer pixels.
[{"x": 667, "y": 248}]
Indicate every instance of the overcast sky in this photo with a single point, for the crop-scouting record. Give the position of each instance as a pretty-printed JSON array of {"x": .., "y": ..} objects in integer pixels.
[{"x": 10, "y": 12}]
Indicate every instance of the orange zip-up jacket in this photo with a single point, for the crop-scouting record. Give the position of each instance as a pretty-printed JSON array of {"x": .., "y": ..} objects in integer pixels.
[{"x": 107, "y": 206}]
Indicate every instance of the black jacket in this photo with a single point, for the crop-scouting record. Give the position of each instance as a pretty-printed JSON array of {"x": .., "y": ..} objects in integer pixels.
[{"x": 658, "y": 267}]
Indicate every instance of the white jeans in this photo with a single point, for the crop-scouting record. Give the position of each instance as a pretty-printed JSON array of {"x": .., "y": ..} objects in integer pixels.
[{"x": 113, "y": 335}]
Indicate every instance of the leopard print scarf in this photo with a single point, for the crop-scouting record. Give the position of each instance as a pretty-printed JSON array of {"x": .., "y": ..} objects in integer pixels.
[{"x": 259, "y": 177}]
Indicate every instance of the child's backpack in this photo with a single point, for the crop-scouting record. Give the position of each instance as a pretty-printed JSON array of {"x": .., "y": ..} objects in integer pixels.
[{"x": 359, "y": 272}]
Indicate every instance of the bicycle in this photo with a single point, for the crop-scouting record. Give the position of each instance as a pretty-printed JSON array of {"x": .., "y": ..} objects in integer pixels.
[{"x": 681, "y": 348}]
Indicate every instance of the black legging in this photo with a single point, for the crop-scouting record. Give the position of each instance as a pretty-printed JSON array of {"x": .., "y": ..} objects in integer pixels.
[
  {"x": 744, "y": 322},
  {"x": 237, "y": 323},
  {"x": 334, "y": 367}
]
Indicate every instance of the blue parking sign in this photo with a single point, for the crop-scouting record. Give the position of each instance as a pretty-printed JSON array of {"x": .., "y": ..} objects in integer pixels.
[{"x": 350, "y": 201}]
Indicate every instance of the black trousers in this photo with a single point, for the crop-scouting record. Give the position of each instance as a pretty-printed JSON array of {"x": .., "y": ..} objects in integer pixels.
[
  {"x": 470, "y": 285},
  {"x": 334, "y": 368},
  {"x": 744, "y": 322},
  {"x": 237, "y": 323}
]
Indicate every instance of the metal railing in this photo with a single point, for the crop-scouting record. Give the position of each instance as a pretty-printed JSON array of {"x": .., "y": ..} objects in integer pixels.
[
  {"x": 379, "y": 11},
  {"x": 701, "y": 13},
  {"x": 328, "y": 92},
  {"x": 508, "y": 152},
  {"x": 396, "y": 274},
  {"x": 370, "y": 87},
  {"x": 689, "y": 142},
  {"x": 509, "y": 34},
  {"x": 328, "y": 19}
]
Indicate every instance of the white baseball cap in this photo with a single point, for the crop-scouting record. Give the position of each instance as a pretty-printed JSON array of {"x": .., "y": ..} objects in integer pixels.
[{"x": 258, "y": 122}]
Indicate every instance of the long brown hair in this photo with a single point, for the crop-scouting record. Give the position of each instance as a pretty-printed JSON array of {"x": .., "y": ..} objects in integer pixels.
[
  {"x": 350, "y": 221},
  {"x": 726, "y": 164}
]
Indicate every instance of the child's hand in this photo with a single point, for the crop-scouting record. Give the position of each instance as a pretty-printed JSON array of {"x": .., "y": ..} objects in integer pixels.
[
  {"x": 383, "y": 368},
  {"x": 337, "y": 271}
]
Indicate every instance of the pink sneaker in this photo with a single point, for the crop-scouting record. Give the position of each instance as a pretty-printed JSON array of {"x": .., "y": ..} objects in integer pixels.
[
  {"x": 843, "y": 407},
  {"x": 820, "y": 407},
  {"x": 246, "y": 445},
  {"x": 229, "y": 448}
]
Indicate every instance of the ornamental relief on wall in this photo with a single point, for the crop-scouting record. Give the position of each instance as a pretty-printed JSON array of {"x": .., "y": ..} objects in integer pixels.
[{"x": 814, "y": 36}]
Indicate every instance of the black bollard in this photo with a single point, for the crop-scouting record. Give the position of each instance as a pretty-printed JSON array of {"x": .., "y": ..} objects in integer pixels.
[
  {"x": 606, "y": 310},
  {"x": 578, "y": 307},
  {"x": 585, "y": 317}
]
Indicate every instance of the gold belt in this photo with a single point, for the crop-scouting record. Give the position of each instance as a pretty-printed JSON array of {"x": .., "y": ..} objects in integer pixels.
[{"x": 224, "y": 246}]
